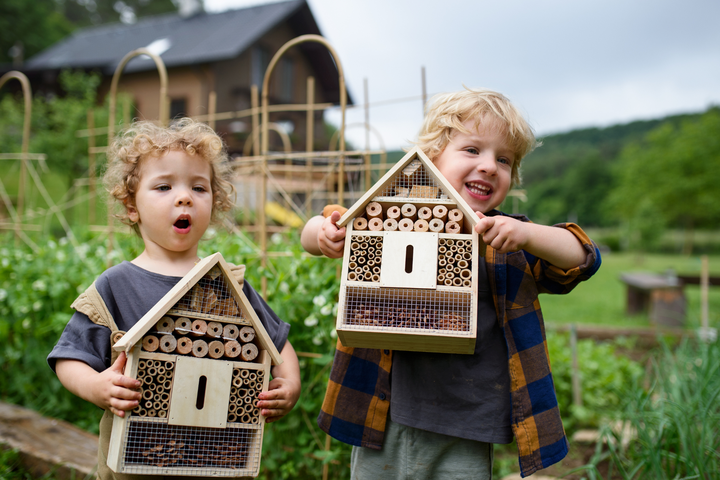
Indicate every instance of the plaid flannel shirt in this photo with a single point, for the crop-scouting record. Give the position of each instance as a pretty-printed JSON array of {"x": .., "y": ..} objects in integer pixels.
[{"x": 358, "y": 395}]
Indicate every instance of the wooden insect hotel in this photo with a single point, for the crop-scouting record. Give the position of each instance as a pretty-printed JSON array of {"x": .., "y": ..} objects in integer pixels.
[
  {"x": 202, "y": 356},
  {"x": 408, "y": 280}
]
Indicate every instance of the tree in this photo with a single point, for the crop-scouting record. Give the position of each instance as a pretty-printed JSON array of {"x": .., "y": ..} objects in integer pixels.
[
  {"x": 30, "y": 27},
  {"x": 672, "y": 175}
]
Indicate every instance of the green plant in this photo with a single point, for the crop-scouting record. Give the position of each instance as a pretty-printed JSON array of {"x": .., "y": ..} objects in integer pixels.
[
  {"x": 673, "y": 423},
  {"x": 605, "y": 376}
]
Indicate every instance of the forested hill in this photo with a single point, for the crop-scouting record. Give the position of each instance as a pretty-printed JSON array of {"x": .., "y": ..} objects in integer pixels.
[{"x": 571, "y": 174}]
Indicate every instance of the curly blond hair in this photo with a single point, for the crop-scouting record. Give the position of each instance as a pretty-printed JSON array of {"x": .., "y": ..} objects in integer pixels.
[
  {"x": 446, "y": 113},
  {"x": 144, "y": 139}
]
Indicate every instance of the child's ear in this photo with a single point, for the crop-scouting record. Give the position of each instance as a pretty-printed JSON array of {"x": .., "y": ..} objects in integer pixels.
[{"x": 132, "y": 212}]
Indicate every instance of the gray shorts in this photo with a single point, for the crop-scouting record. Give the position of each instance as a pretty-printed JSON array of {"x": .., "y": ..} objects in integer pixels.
[{"x": 412, "y": 454}]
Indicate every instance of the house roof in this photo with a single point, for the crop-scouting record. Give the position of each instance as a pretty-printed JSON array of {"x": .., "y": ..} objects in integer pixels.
[{"x": 181, "y": 41}]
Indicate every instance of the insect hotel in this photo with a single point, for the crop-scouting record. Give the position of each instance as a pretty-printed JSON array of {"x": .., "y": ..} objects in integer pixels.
[
  {"x": 202, "y": 356},
  {"x": 408, "y": 280}
]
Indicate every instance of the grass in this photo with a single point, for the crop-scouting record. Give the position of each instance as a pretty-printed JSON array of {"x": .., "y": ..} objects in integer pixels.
[{"x": 601, "y": 300}]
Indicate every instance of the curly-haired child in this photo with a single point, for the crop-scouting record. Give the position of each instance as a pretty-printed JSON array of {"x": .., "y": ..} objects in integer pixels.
[{"x": 170, "y": 184}]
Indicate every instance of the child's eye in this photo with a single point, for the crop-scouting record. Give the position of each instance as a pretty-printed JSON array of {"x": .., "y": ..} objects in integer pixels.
[
  {"x": 199, "y": 188},
  {"x": 472, "y": 150},
  {"x": 163, "y": 188},
  {"x": 504, "y": 160}
]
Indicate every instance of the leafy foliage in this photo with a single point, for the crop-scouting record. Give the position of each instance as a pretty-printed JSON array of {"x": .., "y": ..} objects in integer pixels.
[
  {"x": 37, "y": 25},
  {"x": 670, "y": 177},
  {"x": 605, "y": 376},
  {"x": 37, "y": 288},
  {"x": 672, "y": 424}
]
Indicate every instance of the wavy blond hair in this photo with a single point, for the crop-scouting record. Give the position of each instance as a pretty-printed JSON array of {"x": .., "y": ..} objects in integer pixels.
[
  {"x": 446, "y": 113},
  {"x": 144, "y": 139}
]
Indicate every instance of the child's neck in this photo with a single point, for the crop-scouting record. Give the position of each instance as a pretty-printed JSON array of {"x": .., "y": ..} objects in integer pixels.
[{"x": 167, "y": 264}]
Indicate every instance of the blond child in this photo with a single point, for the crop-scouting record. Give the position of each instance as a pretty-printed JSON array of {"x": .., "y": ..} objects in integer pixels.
[
  {"x": 444, "y": 412},
  {"x": 171, "y": 183}
]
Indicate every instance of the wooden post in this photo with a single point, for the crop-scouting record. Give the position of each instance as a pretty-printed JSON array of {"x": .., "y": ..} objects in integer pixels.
[
  {"x": 368, "y": 177},
  {"x": 576, "y": 388},
  {"x": 91, "y": 165},
  {"x": 424, "y": 88},
  {"x": 704, "y": 288},
  {"x": 212, "y": 106},
  {"x": 309, "y": 144}
]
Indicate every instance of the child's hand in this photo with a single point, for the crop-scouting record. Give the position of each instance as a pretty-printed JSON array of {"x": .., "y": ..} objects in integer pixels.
[
  {"x": 504, "y": 234},
  {"x": 330, "y": 238},
  {"x": 109, "y": 389},
  {"x": 117, "y": 392},
  {"x": 281, "y": 397}
]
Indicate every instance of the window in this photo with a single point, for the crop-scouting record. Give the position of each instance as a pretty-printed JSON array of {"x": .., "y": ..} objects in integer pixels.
[
  {"x": 178, "y": 108},
  {"x": 260, "y": 59},
  {"x": 286, "y": 79}
]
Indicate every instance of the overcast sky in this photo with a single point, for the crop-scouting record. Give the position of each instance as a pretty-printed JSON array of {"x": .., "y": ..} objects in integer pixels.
[{"x": 565, "y": 63}]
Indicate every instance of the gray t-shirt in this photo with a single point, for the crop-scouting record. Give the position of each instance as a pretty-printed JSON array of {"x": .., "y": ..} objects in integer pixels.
[
  {"x": 466, "y": 396},
  {"x": 129, "y": 293}
]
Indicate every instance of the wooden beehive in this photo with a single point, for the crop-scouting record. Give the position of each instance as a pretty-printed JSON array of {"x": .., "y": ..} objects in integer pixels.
[
  {"x": 202, "y": 356},
  {"x": 409, "y": 281}
]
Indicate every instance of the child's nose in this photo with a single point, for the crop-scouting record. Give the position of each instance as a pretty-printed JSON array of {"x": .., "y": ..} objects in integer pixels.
[
  {"x": 183, "y": 198},
  {"x": 487, "y": 164}
]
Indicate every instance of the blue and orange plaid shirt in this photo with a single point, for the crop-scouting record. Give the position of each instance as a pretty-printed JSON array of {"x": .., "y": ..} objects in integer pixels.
[{"x": 358, "y": 395}]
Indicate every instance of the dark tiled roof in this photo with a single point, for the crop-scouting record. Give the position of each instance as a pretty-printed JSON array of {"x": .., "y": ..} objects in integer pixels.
[{"x": 201, "y": 38}]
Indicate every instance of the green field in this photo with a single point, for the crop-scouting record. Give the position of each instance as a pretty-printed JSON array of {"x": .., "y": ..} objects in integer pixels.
[{"x": 601, "y": 300}]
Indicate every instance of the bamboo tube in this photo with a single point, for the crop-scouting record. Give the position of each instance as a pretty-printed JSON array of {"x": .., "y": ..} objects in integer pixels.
[
  {"x": 352, "y": 276},
  {"x": 376, "y": 270},
  {"x": 231, "y": 418},
  {"x": 374, "y": 210},
  {"x": 367, "y": 276},
  {"x": 457, "y": 281},
  {"x": 442, "y": 262},
  {"x": 420, "y": 225},
  {"x": 376, "y": 278},
  {"x": 150, "y": 343},
  {"x": 448, "y": 282},
  {"x": 440, "y": 278},
  {"x": 442, "y": 249},
  {"x": 409, "y": 210},
  {"x": 393, "y": 212},
  {"x": 232, "y": 349},
  {"x": 465, "y": 273},
  {"x": 165, "y": 325},
  {"x": 199, "y": 327},
  {"x": 456, "y": 270},
  {"x": 455, "y": 215},
  {"x": 249, "y": 352},
  {"x": 364, "y": 246},
  {"x": 252, "y": 377},
  {"x": 184, "y": 345},
  {"x": 199, "y": 348},
  {"x": 147, "y": 395},
  {"x": 360, "y": 223},
  {"x": 230, "y": 332},
  {"x": 247, "y": 334},
  {"x": 390, "y": 225},
  {"x": 168, "y": 343},
  {"x": 449, "y": 274},
  {"x": 216, "y": 349},
  {"x": 244, "y": 374},
  {"x": 375, "y": 224},
  {"x": 214, "y": 329},
  {"x": 169, "y": 365},
  {"x": 352, "y": 266},
  {"x": 425, "y": 213},
  {"x": 405, "y": 225},
  {"x": 461, "y": 263},
  {"x": 452, "y": 227},
  {"x": 436, "y": 225},
  {"x": 440, "y": 212}
]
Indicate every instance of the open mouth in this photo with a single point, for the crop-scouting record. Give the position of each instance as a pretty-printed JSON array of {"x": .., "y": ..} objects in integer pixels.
[
  {"x": 182, "y": 223},
  {"x": 477, "y": 189}
]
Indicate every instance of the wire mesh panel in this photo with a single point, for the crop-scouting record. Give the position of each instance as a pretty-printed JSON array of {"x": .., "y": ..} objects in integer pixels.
[
  {"x": 414, "y": 183},
  {"x": 154, "y": 447},
  {"x": 404, "y": 309},
  {"x": 210, "y": 298}
]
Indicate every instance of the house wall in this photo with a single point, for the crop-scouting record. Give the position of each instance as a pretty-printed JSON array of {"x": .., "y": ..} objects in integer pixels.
[{"x": 189, "y": 83}]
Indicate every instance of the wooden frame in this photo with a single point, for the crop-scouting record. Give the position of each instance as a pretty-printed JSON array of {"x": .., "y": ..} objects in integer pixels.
[{"x": 407, "y": 285}]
